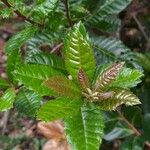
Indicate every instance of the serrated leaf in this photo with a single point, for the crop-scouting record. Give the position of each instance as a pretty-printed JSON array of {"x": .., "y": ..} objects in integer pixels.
[
  {"x": 20, "y": 38},
  {"x": 78, "y": 52},
  {"x": 14, "y": 60},
  {"x": 27, "y": 102},
  {"x": 59, "y": 108},
  {"x": 3, "y": 84},
  {"x": 120, "y": 97},
  {"x": 85, "y": 130},
  {"x": 108, "y": 23},
  {"x": 108, "y": 76},
  {"x": 127, "y": 78},
  {"x": 33, "y": 76},
  {"x": 7, "y": 99},
  {"x": 47, "y": 59},
  {"x": 63, "y": 86},
  {"x": 111, "y": 7},
  {"x": 109, "y": 49}
]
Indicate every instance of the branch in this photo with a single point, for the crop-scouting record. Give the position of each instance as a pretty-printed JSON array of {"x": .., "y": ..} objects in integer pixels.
[
  {"x": 140, "y": 27},
  {"x": 19, "y": 14},
  {"x": 68, "y": 13},
  {"x": 136, "y": 132}
]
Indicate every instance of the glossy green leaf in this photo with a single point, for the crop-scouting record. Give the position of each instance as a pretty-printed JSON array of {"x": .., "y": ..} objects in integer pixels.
[
  {"x": 127, "y": 78},
  {"x": 44, "y": 8},
  {"x": 47, "y": 59},
  {"x": 7, "y": 99},
  {"x": 78, "y": 52},
  {"x": 27, "y": 102},
  {"x": 63, "y": 86},
  {"x": 85, "y": 130},
  {"x": 108, "y": 23},
  {"x": 20, "y": 38},
  {"x": 14, "y": 60},
  {"x": 33, "y": 76},
  {"x": 111, "y": 7},
  {"x": 59, "y": 108}
]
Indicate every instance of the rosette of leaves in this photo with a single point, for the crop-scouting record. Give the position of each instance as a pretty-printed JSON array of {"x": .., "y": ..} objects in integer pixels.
[{"x": 89, "y": 89}]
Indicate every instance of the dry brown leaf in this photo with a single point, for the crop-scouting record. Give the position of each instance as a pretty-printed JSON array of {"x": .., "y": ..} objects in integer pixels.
[{"x": 54, "y": 131}]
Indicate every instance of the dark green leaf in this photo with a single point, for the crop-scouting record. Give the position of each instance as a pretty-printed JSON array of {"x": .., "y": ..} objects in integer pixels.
[
  {"x": 20, "y": 38},
  {"x": 27, "y": 102},
  {"x": 3, "y": 84},
  {"x": 85, "y": 130}
]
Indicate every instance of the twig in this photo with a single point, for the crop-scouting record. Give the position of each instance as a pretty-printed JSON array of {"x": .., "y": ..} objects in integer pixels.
[
  {"x": 136, "y": 132},
  {"x": 68, "y": 13},
  {"x": 5, "y": 120},
  {"x": 56, "y": 47},
  {"x": 19, "y": 14},
  {"x": 140, "y": 27}
]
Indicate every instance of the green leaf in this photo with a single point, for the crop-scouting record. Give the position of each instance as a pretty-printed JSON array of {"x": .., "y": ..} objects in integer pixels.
[
  {"x": 47, "y": 59},
  {"x": 85, "y": 130},
  {"x": 59, "y": 108},
  {"x": 27, "y": 102},
  {"x": 127, "y": 78},
  {"x": 78, "y": 52},
  {"x": 33, "y": 76},
  {"x": 7, "y": 99},
  {"x": 43, "y": 9},
  {"x": 3, "y": 84},
  {"x": 111, "y": 7},
  {"x": 108, "y": 23},
  {"x": 14, "y": 60},
  {"x": 120, "y": 97},
  {"x": 20, "y": 38},
  {"x": 63, "y": 86},
  {"x": 120, "y": 131}
]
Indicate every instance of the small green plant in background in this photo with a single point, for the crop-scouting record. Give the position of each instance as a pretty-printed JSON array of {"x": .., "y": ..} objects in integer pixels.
[{"x": 87, "y": 84}]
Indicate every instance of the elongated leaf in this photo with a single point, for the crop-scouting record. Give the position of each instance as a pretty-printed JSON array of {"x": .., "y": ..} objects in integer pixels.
[
  {"x": 127, "y": 78},
  {"x": 33, "y": 76},
  {"x": 46, "y": 59},
  {"x": 85, "y": 130},
  {"x": 20, "y": 38},
  {"x": 7, "y": 99},
  {"x": 3, "y": 84},
  {"x": 108, "y": 23},
  {"x": 108, "y": 76},
  {"x": 59, "y": 108},
  {"x": 63, "y": 86},
  {"x": 120, "y": 97},
  {"x": 78, "y": 52},
  {"x": 27, "y": 102},
  {"x": 111, "y": 7},
  {"x": 14, "y": 60},
  {"x": 44, "y": 8}
]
